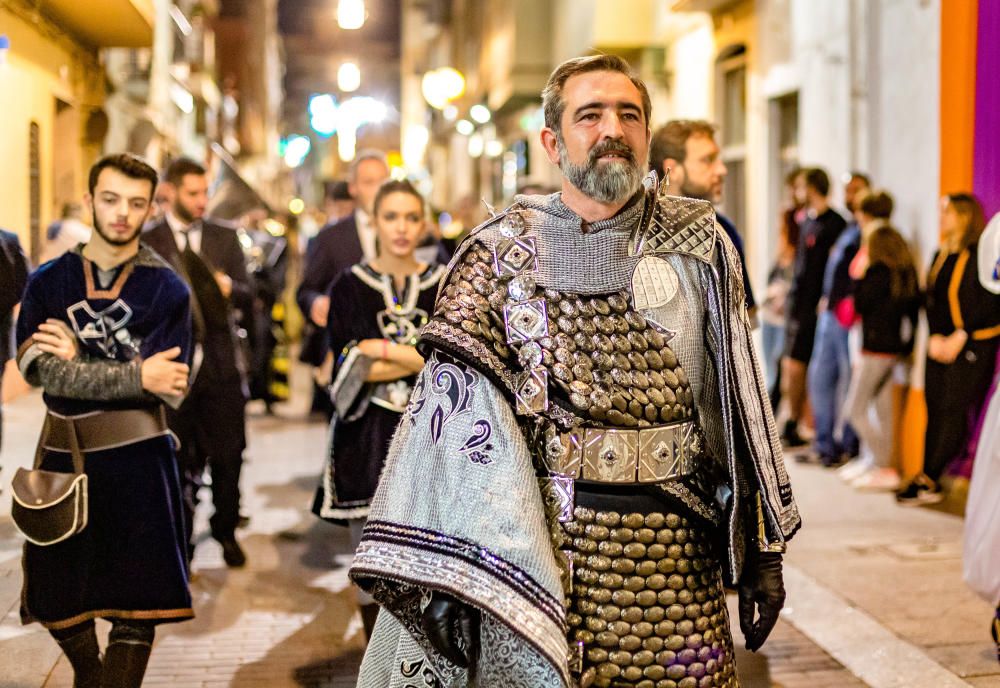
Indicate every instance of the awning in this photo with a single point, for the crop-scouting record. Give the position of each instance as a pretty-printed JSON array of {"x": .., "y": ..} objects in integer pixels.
[{"x": 105, "y": 23}]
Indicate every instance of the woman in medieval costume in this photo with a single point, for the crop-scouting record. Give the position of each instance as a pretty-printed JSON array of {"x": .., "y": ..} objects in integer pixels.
[{"x": 376, "y": 309}]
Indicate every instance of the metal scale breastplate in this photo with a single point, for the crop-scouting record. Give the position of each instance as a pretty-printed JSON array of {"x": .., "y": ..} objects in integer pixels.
[{"x": 601, "y": 356}]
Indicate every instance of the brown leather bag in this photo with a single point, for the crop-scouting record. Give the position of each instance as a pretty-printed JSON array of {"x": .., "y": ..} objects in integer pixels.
[{"x": 49, "y": 507}]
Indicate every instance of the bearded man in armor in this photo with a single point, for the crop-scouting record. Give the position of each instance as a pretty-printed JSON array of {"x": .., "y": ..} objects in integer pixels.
[{"x": 589, "y": 454}]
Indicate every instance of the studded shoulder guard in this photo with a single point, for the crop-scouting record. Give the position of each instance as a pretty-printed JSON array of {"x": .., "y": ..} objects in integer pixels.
[{"x": 675, "y": 224}]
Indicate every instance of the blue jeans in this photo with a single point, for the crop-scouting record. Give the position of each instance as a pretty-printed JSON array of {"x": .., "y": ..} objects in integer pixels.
[
  {"x": 773, "y": 343},
  {"x": 829, "y": 377}
]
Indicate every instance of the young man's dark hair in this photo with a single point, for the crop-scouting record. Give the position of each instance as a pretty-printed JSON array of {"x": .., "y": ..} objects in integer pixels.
[
  {"x": 819, "y": 180},
  {"x": 130, "y": 165},
  {"x": 877, "y": 204},
  {"x": 553, "y": 104},
  {"x": 180, "y": 168},
  {"x": 854, "y": 174},
  {"x": 670, "y": 140}
]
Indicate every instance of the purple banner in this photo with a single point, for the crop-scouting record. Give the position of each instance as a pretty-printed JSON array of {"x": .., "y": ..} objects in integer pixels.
[{"x": 986, "y": 159}]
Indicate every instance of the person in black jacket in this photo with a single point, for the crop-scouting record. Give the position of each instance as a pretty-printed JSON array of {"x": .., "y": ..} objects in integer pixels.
[
  {"x": 819, "y": 232},
  {"x": 963, "y": 319},
  {"x": 209, "y": 257},
  {"x": 13, "y": 278},
  {"x": 887, "y": 297}
]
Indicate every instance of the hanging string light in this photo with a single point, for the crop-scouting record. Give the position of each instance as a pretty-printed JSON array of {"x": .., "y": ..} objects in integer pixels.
[{"x": 351, "y": 14}]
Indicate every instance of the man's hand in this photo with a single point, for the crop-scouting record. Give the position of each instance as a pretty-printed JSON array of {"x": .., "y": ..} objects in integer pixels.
[
  {"x": 452, "y": 629},
  {"x": 53, "y": 337},
  {"x": 225, "y": 283},
  {"x": 163, "y": 376},
  {"x": 761, "y": 590},
  {"x": 319, "y": 311}
]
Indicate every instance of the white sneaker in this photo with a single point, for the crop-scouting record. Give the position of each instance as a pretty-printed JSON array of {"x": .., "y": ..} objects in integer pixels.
[
  {"x": 852, "y": 470},
  {"x": 877, "y": 480}
]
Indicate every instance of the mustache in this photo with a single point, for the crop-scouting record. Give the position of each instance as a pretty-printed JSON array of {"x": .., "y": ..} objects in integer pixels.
[{"x": 607, "y": 146}]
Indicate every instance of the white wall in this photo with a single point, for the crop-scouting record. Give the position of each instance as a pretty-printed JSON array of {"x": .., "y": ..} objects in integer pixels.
[{"x": 905, "y": 146}]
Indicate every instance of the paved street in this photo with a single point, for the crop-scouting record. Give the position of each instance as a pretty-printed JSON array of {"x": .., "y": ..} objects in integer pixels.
[{"x": 875, "y": 592}]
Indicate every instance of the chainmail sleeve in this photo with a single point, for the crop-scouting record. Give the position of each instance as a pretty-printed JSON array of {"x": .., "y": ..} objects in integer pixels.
[{"x": 94, "y": 380}]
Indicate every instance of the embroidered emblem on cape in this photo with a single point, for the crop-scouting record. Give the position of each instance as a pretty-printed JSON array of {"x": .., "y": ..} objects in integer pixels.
[
  {"x": 416, "y": 670},
  {"x": 455, "y": 385},
  {"x": 104, "y": 330},
  {"x": 654, "y": 283},
  {"x": 478, "y": 447}
]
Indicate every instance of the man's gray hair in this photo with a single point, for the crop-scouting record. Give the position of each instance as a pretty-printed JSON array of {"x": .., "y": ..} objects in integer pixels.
[
  {"x": 366, "y": 154},
  {"x": 552, "y": 101}
]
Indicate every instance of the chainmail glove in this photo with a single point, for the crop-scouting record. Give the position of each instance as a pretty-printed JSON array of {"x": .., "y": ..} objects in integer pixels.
[
  {"x": 761, "y": 590},
  {"x": 452, "y": 628}
]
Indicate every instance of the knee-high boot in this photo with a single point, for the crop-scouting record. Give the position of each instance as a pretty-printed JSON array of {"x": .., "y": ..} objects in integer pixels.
[
  {"x": 127, "y": 655},
  {"x": 84, "y": 656}
]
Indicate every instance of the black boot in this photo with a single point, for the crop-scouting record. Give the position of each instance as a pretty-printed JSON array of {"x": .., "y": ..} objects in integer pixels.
[
  {"x": 84, "y": 656},
  {"x": 127, "y": 655},
  {"x": 369, "y": 613}
]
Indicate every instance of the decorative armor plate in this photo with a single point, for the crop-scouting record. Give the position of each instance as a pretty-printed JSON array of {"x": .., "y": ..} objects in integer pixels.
[{"x": 602, "y": 356}]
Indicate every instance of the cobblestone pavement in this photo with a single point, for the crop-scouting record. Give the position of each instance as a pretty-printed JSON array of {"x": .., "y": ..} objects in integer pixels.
[{"x": 289, "y": 618}]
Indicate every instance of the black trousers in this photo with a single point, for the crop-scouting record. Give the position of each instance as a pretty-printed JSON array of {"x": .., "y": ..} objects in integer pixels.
[
  {"x": 211, "y": 425},
  {"x": 952, "y": 392}
]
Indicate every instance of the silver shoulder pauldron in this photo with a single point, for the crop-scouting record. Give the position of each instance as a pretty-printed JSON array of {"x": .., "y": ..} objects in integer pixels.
[{"x": 674, "y": 224}]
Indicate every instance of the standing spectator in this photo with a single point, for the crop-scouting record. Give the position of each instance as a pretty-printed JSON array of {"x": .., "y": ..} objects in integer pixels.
[
  {"x": 685, "y": 153},
  {"x": 819, "y": 232},
  {"x": 13, "y": 278},
  {"x": 105, "y": 330},
  {"x": 211, "y": 423},
  {"x": 774, "y": 313},
  {"x": 66, "y": 233},
  {"x": 963, "y": 319},
  {"x": 377, "y": 307},
  {"x": 887, "y": 297},
  {"x": 830, "y": 367},
  {"x": 338, "y": 202}
]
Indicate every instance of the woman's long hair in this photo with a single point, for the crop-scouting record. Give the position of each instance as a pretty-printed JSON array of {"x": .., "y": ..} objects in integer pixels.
[
  {"x": 970, "y": 210},
  {"x": 888, "y": 247}
]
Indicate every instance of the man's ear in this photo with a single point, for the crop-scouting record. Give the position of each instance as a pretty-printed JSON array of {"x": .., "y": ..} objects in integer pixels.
[
  {"x": 672, "y": 171},
  {"x": 550, "y": 143},
  {"x": 88, "y": 202}
]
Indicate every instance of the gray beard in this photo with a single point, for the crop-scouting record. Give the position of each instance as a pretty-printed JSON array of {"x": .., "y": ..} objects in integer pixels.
[{"x": 616, "y": 182}]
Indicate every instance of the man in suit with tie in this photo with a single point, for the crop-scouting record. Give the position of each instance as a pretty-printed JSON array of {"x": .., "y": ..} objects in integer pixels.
[
  {"x": 211, "y": 423},
  {"x": 337, "y": 247}
]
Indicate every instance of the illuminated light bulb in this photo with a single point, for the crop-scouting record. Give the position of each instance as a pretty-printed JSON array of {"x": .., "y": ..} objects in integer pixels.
[
  {"x": 348, "y": 77},
  {"x": 351, "y": 14},
  {"x": 476, "y": 145},
  {"x": 480, "y": 113},
  {"x": 465, "y": 127}
]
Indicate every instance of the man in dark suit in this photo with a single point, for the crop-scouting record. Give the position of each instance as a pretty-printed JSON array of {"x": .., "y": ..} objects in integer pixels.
[
  {"x": 339, "y": 246},
  {"x": 13, "y": 278},
  {"x": 211, "y": 423}
]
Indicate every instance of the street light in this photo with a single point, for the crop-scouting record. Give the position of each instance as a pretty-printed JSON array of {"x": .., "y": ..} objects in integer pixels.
[
  {"x": 441, "y": 86},
  {"x": 348, "y": 77},
  {"x": 351, "y": 14},
  {"x": 480, "y": 113}
]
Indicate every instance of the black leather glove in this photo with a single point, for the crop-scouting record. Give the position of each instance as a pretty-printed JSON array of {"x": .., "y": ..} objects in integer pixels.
[
  {"x": 761, "y": 590},
  {"x": 452, "y": 628}
]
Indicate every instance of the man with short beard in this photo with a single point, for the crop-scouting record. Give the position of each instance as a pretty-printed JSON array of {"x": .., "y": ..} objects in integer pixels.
[
  {"x": 105, "y": 330},
  {"x": 684, "y": 151},
  {"x": 589, "y": 452},
  {"x": 207, "y": 254}
]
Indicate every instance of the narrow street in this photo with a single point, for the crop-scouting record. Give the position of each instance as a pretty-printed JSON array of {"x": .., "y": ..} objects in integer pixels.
[{"x": 875, "y": 595}]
